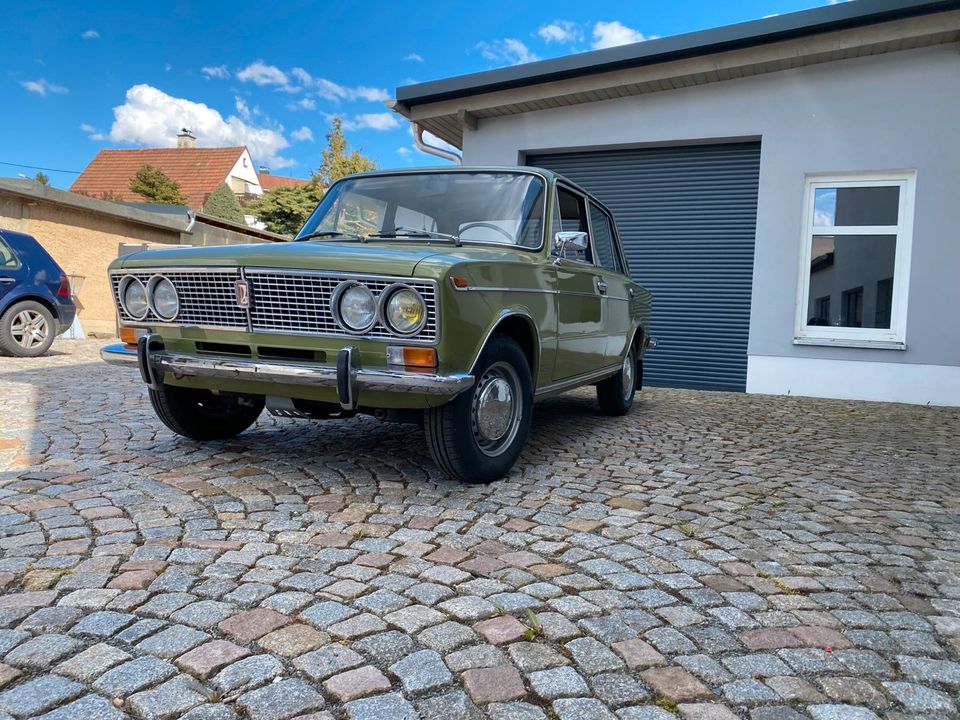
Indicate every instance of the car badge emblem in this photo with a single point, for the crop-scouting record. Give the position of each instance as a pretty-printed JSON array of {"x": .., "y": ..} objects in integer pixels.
[{"x": 242, "y": 288}]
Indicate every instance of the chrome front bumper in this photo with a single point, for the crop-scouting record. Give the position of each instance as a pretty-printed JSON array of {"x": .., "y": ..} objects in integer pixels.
[{"x": 346, "y": 377}]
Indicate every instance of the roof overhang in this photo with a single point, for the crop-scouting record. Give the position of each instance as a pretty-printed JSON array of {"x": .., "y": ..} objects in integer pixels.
[{"x": 838, "y": 32}]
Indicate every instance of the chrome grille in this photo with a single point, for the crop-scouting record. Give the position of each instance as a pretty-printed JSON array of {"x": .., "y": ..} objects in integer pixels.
[
  {"x": 207, "y": 298},
  {"x": 281, "y": 301},
  {"x": 300, "y": 302}
]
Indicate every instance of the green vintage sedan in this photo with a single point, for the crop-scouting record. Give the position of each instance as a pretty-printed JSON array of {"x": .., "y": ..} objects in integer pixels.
[{"x": 452, "y": 297}]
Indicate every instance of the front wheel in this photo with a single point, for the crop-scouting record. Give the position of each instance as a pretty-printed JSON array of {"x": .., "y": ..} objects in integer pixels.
[
  {"x": 478, "y": 436},
  {"x": 615, "y": 394},
  {"x": 201, "y": 415}
]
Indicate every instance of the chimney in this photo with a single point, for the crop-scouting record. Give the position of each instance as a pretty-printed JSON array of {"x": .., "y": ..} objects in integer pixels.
[
  {"x": 264, "y": 170},
  {"x": 186, "y": 139}
]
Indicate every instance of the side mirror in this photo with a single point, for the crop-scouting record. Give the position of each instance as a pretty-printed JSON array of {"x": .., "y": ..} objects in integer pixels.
[{"x": 570, "y": 239}]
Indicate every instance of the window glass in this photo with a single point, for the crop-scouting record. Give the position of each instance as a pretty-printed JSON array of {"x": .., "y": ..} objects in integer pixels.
[
  {"x": 603, "y": 241},
  {"x": 505, "y": 208},
  {"x": 573, "y": 218},
  {"x": 414, "y": 220},
  {"x": 7, "y": 258},
  {"x": 851, "y": 280},
  {"x": 852, "y": 206}
]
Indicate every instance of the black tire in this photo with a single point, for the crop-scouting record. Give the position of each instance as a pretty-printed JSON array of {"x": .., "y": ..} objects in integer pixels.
[
  {"x": 201, "y": 415},
  {"x": 615, "y": 394},
  {"x": 456, "y": 440},
  {"x": 27, "y": 329}
]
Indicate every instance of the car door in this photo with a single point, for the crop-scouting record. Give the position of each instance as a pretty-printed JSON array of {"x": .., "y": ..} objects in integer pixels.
[
  {"x": 581, "y": 307},
  {"x": 612, "y": 269},
  {"x": 12, "y": 271}
]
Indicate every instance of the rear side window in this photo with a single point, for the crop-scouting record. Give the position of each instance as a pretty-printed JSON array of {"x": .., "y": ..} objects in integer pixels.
[
  {"x": 7, "y": 257},
  {"x": 603, "y": 241}
]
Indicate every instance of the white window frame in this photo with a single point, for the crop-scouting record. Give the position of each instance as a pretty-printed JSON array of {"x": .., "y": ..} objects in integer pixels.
[{"x": 894, "y": 337}]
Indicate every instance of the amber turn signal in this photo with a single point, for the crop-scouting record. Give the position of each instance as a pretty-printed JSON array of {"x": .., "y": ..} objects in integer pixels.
[
  {"x": 128, "y": 335},
  {"x": 412, "y": 357},
  {"x": 460, "y": 282}
]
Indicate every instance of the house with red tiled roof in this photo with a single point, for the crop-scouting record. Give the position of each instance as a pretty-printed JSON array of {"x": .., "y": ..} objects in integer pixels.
[{"x": 198, "y": 171}]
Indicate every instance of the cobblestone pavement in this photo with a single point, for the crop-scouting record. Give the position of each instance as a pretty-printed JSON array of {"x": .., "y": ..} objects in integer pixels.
[{"x": 711, "y": 556}]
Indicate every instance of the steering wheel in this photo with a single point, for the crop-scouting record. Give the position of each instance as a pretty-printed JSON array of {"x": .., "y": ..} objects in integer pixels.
[{"x": 491, "y": 226}]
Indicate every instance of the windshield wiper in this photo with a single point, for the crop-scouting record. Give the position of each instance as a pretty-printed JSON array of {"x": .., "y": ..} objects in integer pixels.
[
  {"x": 331, "y": 233},
  {"x": 399, "y": 232}
]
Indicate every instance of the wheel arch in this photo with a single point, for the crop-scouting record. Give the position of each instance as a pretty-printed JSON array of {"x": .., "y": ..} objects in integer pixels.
[
  {"x": 519, "y": 327},
  {"x": 32, "y": 298}
]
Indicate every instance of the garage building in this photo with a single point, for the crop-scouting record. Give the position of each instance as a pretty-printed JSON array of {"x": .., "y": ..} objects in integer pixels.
[{"x": 786, "y": 188}]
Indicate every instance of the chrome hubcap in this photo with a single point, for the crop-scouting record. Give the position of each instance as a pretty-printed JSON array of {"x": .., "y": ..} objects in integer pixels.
[
  {"x": 627, "y": 375},
  {"x": 29, "y": 329},
  {"x": 496, "y": 410}
]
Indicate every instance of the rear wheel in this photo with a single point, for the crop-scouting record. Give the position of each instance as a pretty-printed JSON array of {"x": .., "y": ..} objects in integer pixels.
[
  {"x": 615, "y": 394},
  {"x": 26, "y": 329},
  {"x": 201, "y": 415},
  {"x": 478, "y": 436}
]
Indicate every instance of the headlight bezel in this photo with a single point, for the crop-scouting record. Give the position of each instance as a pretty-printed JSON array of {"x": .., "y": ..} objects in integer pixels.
[
  {"x": 151, "y": 299},
  {"x": 388, "y": 295},
  {"x": 125, "y": 284},
  {"x": 335, "y": 307}
]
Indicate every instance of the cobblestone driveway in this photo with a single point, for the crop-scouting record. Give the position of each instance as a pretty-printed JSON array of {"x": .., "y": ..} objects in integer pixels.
[{"x": 711, "y": 556}]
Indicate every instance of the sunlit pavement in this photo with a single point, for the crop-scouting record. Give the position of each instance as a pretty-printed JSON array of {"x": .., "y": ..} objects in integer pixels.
[{"x": 710, "y": 556}]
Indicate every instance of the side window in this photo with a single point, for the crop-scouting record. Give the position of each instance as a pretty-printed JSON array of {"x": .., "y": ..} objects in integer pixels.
[
  {"x": 573, "y": 218},
  {"x": 7, "y": 258},
  {"x": 603, "y": 240}
]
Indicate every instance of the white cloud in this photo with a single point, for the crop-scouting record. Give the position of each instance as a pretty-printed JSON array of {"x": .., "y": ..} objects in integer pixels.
[
  {"x": 151, "y": 118},
  {"x": 561, "y": 31},
  {"x": 259, "y": 73},
  {"x": 413, "y": 57},
  {"x": 430, "y": 139},
  {"x": 370, "y": 94},
  {"x": 302, "y": 75},
  {"x": 216, "y": 71},
  {"x": 92, "y": 132},
  {"x": 90, "y": 35},
  {"x": 614, "y": 33},
  {"x": 304, "y": 134},
  {"x": 242, "y": 107},
  {"x": 510, "y": 51},
  {"x": 371, "y": 121},
  {"x": 42, "y": 87},
  {"x": 404, "y": 151},
  {"x": 303, "y": 104}
]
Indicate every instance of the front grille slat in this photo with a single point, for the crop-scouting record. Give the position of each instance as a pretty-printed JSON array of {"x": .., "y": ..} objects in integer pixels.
[{"x": 281, "y": 301}]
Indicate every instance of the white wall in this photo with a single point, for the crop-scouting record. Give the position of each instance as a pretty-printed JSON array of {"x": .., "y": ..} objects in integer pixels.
[
  {"x": 243, "y": 177},
  {"x": 888, "y": 112}
]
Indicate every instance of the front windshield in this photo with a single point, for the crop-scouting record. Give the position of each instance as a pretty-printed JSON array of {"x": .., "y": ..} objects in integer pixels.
[{"x": 505, "y": 208}]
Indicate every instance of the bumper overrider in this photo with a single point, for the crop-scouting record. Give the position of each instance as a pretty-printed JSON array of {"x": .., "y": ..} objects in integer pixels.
[{"x": 347, "y": 377}]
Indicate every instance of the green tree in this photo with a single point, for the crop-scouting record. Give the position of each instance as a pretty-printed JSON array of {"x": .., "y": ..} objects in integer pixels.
[
  {"x": 154, "y": 185},
  {"x": 42, "y": 178},
  {"x": 284, "y": 210},
  {"x": 223, "y": 204},
  {"x": 336, "y": 161}
]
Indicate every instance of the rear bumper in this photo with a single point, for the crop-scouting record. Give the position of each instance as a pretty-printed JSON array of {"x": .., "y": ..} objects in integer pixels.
[{"x": 345, "y": 376}]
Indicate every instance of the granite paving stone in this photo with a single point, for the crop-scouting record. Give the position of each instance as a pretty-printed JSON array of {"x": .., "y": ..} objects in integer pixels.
[{"x": 751, "y": 557}]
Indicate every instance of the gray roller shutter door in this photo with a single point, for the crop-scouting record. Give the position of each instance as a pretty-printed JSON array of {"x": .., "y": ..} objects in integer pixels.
[{"x": 687, "y": 217}]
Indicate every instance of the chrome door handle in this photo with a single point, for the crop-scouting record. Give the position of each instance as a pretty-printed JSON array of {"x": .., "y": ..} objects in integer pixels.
[
  {"x": 7, "y": 280},
  {"x": 601, "y": 286}
]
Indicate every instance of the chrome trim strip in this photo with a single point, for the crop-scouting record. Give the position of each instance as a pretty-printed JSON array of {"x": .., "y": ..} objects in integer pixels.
[
  {"x": 292, "y": 373},
  {"x": 538, "y": 291},
  {"x": 578, "y": 380}
]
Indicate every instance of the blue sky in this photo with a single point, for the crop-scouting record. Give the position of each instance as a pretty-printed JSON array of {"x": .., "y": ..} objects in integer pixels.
[{"x": 78, "y": 77}]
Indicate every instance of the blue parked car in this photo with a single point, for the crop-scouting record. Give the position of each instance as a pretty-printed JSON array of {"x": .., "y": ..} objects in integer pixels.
[{"x": 36, "y": 304}]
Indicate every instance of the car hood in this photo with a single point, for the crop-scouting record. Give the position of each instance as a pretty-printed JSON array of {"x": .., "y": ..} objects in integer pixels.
[{"x": 375, "y": 258}]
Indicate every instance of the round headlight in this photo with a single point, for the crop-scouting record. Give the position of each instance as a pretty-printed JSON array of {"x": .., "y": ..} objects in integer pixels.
[
  {"x": 405, "y": 311},
  {"x": 164, "y": 300},
  {"x": 355, "y": 307},
  {"x": 133, "y": 297}
]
